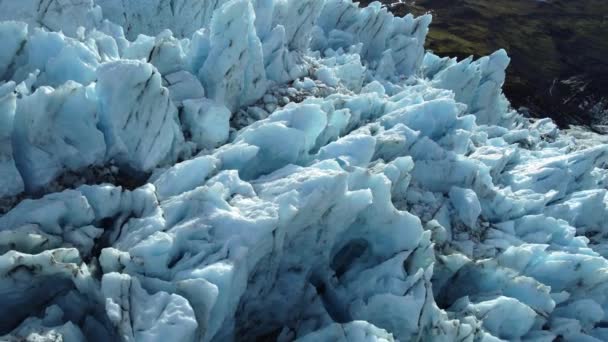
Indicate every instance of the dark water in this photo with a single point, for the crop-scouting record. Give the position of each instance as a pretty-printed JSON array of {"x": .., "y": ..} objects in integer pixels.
[{"x": 559, "y": 49}]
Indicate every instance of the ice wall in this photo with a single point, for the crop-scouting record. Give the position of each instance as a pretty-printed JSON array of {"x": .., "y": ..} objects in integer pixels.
[{"x": 282, "y": 170}]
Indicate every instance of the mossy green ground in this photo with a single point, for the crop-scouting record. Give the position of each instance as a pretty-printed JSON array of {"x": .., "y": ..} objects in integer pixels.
[{"x": 549, "y": 42}]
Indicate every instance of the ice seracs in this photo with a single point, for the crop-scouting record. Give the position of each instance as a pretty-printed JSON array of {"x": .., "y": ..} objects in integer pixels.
[
  {"x": 139, "y": 104},
  {"x": 12, "y": 182},
  {"x": 282, "y": 170}
]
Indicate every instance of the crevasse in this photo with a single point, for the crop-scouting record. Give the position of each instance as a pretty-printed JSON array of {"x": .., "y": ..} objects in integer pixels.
[{"x": 205, "y": 170}]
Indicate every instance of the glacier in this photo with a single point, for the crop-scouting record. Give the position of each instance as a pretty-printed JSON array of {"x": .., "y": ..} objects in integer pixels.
[{"x": 253, "y": 170}]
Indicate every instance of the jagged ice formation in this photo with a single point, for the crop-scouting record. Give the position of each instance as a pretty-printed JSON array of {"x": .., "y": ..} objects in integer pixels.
[{"x": 204, "y": 170}]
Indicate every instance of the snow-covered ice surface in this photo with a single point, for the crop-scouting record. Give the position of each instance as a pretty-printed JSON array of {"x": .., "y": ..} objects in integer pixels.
[{"x": 203, "y": 170}]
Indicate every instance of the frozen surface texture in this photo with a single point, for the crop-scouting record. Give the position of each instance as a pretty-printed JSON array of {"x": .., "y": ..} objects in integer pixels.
[{"x": 200, "y": 170}]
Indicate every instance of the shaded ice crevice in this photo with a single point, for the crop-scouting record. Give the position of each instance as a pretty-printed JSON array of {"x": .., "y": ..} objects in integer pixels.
[{"x": 399, "y": 198}]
